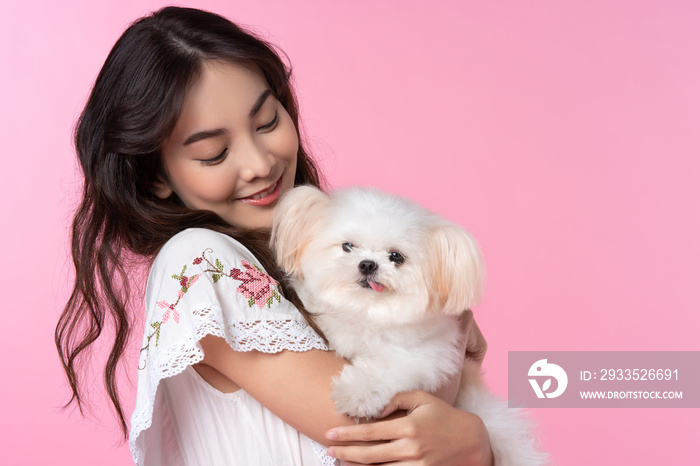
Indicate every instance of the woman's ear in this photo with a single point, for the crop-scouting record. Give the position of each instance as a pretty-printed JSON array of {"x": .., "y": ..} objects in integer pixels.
[
  {"x": 160, "y": 187},
  {"x": 294, "y": 222},
  {"x": 456, "y": 268}
]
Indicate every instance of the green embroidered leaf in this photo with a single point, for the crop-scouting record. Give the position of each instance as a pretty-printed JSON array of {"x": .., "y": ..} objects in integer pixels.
[
  {"x": 276, "y": 295},
  {"x": 156, "y": 326},
  {"x": 179, "y": 277},
  {"x": 215, "y": 277},
  {"x": 219, "y": 265},
  {"x": 251, "y": 302},
  {"x": 259, "y": 269},
  {"x": 269, "y": 302}
]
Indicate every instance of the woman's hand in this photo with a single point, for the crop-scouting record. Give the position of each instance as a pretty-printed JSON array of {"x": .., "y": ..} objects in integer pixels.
[
  {"x": 475, "y": 342},
  {"x": 432, "y": 433},
  {"x": 473, "y": 346}
]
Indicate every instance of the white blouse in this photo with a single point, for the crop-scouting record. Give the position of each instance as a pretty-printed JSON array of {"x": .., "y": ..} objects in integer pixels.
[{"x": 206, "y": 283}]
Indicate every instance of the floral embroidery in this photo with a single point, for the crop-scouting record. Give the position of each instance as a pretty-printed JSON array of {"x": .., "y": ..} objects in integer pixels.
[{"x": 255, "y": 285}]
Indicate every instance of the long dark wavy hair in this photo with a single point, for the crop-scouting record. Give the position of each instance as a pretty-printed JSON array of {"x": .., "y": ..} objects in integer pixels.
[{"x": 133, "y": 107}]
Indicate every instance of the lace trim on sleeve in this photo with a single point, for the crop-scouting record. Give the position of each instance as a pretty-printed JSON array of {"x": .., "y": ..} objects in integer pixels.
[
  {"x": 264, "y": 336},
  {"x": 267, "y": 336}
]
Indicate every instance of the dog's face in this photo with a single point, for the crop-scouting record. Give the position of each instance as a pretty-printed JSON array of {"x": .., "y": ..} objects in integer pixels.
[
  {"x": 368, "y": 251},
  {"x": 381, "y": 257}
]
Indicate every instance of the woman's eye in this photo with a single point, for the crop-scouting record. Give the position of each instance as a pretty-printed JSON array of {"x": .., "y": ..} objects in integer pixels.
[
  {"x": 271, "y": 124},
  {"x": 347, "y": 247},
  {"x": 216, "y": 159},
  {"x": 397, "y": 258}
]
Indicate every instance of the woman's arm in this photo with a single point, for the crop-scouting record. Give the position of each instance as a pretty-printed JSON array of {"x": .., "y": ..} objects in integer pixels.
[{"x": 296, "y": 386}]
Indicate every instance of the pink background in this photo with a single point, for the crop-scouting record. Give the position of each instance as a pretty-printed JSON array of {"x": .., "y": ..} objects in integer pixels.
[{"x": 563, "y": 135}]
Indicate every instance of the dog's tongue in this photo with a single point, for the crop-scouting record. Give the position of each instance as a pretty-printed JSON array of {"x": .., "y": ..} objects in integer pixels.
[{"x": 376, "y": 286}]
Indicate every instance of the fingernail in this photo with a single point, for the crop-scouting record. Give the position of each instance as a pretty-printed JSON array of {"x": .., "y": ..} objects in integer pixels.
[
  {"x": 331, "y": 435},
  {"x": 330, "y": 452}
]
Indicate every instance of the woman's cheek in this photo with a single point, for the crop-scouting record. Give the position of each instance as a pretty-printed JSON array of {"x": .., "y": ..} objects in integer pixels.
[
  {"x": 288, "y": 139},
  {"x": 221, "y": 187},
  {"x": 214, "y": 186}
]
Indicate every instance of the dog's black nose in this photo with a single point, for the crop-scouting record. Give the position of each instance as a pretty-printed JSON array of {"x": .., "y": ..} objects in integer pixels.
[{"x": 367, "y": 267}]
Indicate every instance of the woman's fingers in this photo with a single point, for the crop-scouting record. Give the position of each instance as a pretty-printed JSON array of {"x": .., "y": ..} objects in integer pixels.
[
  {"x": 375, "y": 432},
  {"x": 393, "y": 429},
  {"x": 393, "y": 446},
  {"x": 382, "y": 453}
]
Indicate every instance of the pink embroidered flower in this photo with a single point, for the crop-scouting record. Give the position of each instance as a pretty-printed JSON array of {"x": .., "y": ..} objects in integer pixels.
[
  {"x": 166, "y": 315},
  {"x": 197, "y": 260},
  {"x": 255, "y": 285}
]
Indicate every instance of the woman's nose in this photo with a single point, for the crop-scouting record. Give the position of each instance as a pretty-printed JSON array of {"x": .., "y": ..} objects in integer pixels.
[{"x": 257, "y": 162}]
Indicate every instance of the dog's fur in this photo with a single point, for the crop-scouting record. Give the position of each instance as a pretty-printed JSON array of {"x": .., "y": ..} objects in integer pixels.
[{"x": 386, "y": 281}]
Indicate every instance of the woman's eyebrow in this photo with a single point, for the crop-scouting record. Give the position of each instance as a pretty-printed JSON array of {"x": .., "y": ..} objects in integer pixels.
[
  {"x": 259, "y": 103},
  {"x": 198, "y": 136}
]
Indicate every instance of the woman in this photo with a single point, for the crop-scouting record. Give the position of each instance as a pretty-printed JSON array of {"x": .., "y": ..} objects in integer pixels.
[{"x": 189, "y": 137}]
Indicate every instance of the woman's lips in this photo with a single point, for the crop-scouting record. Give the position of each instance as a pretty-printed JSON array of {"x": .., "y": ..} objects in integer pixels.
[{"x": 264, "y": 197}]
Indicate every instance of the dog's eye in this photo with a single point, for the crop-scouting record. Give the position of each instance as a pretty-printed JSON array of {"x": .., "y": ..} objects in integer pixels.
[
  {"x": 396, "y": 257},
  {"x": 347, "y": 247}
]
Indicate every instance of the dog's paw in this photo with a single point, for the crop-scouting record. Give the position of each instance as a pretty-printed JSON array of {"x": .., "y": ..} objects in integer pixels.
[
  {"x": 357, "y": 396},
  {"x": 357, "y": 403}
]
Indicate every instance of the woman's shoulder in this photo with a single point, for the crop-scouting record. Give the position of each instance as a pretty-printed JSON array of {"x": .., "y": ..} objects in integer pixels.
[
  {"x": 192, "y": 238},
  {"x": 200, "y": 268},
  {"x": 193, "y": 242}
]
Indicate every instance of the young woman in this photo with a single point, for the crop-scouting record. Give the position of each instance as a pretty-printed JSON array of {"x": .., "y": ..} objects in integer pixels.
[{"x": 189, "y": 137}]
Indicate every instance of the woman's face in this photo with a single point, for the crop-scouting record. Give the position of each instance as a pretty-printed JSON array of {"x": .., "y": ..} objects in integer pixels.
[{"x": 234, "y": 147}]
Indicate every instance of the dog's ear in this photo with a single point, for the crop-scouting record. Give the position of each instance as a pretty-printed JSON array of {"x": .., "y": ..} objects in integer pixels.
[
  {"x": 293, "y": 225},
  {"x": 456, "y": 269}
]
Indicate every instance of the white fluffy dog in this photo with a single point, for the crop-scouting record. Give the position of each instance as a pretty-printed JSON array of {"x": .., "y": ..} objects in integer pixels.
[{"x": 385, "y": 281}]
